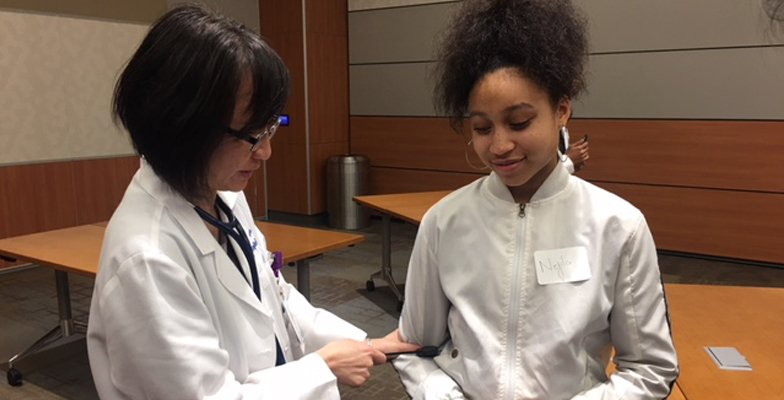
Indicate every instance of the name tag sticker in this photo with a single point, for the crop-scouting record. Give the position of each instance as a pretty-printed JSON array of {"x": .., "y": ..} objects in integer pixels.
[{"x": 569, "y": 264}]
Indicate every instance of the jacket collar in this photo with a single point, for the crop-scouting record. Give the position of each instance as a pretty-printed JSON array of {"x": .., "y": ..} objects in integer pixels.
[{"x": 554, "y": 184}]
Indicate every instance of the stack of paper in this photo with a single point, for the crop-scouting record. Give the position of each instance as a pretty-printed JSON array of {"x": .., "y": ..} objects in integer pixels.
[{"x": 728, "y": 358}]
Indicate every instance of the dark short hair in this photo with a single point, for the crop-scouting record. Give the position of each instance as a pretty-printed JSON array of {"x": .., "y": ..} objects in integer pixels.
[
  {"x": 176, "y": 96},
  {"x": 545, "y": 40}
]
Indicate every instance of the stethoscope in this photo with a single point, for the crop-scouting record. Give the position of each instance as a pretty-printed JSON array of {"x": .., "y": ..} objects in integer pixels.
[{"x": 233, "y": 229}]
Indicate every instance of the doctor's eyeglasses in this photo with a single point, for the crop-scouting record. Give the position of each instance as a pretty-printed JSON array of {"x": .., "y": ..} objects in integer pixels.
[{"x": 256, "y": 138}]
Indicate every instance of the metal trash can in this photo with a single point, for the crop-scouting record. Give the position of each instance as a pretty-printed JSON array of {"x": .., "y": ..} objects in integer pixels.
[{"x": 347, "y": 176}]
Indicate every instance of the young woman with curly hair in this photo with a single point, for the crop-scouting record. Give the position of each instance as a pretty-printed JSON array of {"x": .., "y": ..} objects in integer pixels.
[{"x": 529, "y": 277}]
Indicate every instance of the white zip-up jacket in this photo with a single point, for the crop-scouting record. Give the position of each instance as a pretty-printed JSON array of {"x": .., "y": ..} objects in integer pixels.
[
  {"x": 474, "y": 277},
  {"x": 173, "y": 318}
]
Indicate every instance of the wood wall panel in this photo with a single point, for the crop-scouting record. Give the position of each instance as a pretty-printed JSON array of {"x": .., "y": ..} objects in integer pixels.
[
  {"x": 740, "y": 155},
  {"x": 327, "y": 88},
  {"x": 37, "y": 197},
  {"x": 410, "y": 142},
  {"x": 317, "y": 57},
  {"x": 725, "y": 223},
  {"x": 254, "y": 192},
  {"x": 46, "y": 196},
  {"x": 706, "y": 187},
  {"x": 100, "y": 185},
  {"x": 327, "y": 54},
  {"x": 281, "y": 26},
  {"x": 287, "y": 183},
  {"x": 318, "y": 180},
  {"x": 395, "y": 180}
]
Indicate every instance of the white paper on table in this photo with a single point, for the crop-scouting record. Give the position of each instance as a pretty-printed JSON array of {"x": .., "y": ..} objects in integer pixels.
[{"x": 728, "y": 358}]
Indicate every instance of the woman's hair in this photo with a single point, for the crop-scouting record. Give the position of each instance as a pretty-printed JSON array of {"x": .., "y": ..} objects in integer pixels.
[
  {"x": 545, "y": 40},
  {"x": 177, "y": 94}
]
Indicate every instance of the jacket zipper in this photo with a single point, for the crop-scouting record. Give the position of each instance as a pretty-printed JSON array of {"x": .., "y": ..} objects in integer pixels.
[{"x": 514, "y": 308}]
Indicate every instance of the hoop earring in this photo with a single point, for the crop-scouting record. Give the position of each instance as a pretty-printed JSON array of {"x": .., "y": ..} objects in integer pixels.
[
  {"x": 563, "y": 143},
  {"x": 468, "y": 160}
]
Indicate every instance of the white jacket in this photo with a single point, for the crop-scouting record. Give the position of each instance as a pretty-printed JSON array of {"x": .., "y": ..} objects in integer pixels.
[
  {"x": 172, "y": 318},
  {"x": 474, "y": 275}
]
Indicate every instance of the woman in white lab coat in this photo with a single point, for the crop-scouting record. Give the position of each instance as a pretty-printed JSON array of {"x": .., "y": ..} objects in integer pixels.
[
  {"x": 529, "y": 277},
  {"x": 186, "y": 304}
]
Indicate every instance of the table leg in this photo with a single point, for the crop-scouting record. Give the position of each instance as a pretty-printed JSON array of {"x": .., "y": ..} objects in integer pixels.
[
  {"x": 303, "y": 277},
  {"x": 386, "y": 260},
  {"x": 58, "y": 336},
  {"x": 64, "y": 302}
]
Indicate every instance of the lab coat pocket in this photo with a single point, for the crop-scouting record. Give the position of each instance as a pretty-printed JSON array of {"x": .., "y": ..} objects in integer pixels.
[
  {"x": 292, "y": 328},
  {"x": 295, "y": 334}
]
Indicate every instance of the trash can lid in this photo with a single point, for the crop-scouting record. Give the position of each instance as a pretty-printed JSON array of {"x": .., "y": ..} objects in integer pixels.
[{"x": 348, "y": 158}]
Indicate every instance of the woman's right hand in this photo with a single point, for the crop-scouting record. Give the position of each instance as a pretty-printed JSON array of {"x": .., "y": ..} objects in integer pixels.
[{"x": 351, "y": 360}]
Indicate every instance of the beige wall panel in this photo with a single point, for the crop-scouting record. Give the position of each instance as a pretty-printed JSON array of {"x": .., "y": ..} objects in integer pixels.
[
  {"x": 391, "y": 89},
  {"x": 358, "y": 5},
  {"x": 397, "y": 34},
  {"x": 58, "y": 77},
  {"x": 676, "y": 24},
  {"x": 144, "y": 11},
  {"x": 244, "y": 11},
  {"x": 711, "y": 84},
  {"x": 708, "y": 84}
]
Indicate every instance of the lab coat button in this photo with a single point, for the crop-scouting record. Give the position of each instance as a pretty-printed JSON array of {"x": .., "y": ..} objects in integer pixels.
[{"x": 455, "y": 353}]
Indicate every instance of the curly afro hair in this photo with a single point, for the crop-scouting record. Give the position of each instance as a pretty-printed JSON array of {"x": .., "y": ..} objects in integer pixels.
[{"x": 545, "y": 40}]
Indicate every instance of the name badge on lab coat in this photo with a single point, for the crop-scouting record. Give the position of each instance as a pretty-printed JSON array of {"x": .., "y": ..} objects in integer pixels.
[{"x": 569, "y": 264}]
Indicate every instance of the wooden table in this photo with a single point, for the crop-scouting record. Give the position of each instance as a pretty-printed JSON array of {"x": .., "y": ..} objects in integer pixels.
[
  {"x": 299, "y": 245},
  {"x": 77, "y": 250},
  {"x": 410, "y": 207},
  {"x": 747, "y": 318}
]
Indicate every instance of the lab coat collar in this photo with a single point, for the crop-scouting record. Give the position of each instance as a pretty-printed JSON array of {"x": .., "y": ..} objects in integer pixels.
[
  {"x": 555, "y": 183},
  {"x": 181, "y": 209},
  {"x": 192, "y": 225}
]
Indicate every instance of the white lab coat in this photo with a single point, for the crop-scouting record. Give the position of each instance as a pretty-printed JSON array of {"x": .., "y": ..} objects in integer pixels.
[
  {"x": 474, "y": 277},
  {"x": 172, "y": 318}
]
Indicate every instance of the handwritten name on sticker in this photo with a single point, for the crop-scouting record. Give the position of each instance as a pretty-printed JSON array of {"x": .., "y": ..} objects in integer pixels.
[{"x": 569, "y": 264}]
